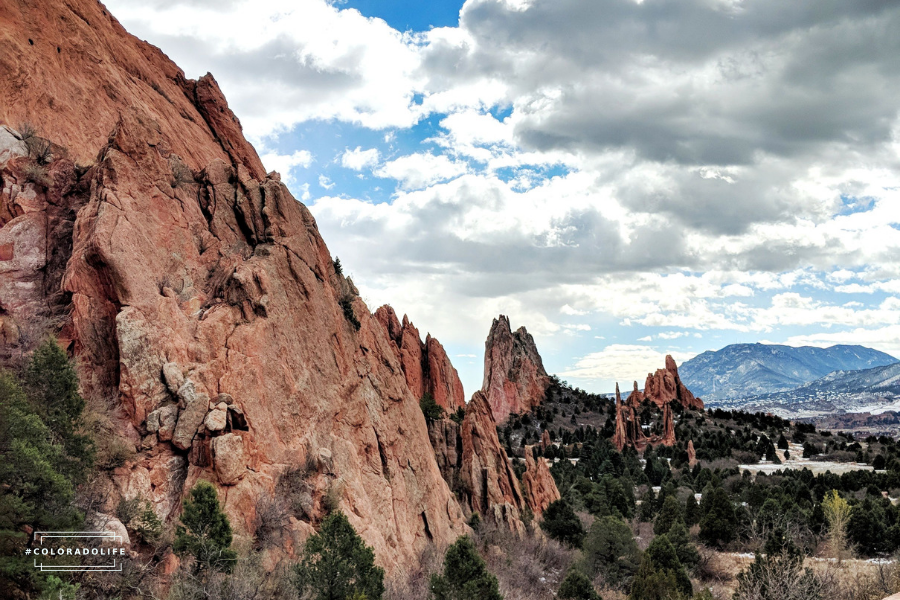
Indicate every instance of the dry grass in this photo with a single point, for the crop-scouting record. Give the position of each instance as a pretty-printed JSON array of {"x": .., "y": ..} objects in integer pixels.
[
  {"x": 527, "y": 569},
  {"x": 853, "y": 580}
]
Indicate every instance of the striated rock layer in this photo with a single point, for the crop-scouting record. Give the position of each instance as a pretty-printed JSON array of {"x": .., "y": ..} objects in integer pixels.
[
  {"x": 197, "y": 293},
  {"x": 514, "y": 377},
  {"x": 426, "y": 365}
]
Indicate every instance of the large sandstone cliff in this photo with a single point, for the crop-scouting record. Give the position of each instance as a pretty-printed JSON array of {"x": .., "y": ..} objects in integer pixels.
[
  {"x": 514, "y": 377},
  {"x": 195, "y": 291}
]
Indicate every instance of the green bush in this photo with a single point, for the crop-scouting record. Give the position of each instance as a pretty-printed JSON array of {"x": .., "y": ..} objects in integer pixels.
[
  {"x": 661, "y": 575},
  {"x": 562, "y": 524},
  {"x": 204, "y": 532},
  {"x": 465, "y": 575},
  {"x": 576, "y": 586},
  {"x": 610, "y": 551},
  {"x": 337, "y": 565},
  {"x": 431, "y": 409},
  {"x": 138, "y": 516},
  {"x": 460, "y": 414},
  {"x": 346, "y": 303}
]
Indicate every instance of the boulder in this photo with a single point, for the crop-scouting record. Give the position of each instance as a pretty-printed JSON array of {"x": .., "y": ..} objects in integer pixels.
[
  {"x": 216, "y": 419},
  {"x": 228, "y": 458},
  {"x": 162, "y": 421},
  {"x": 195, "y": 407},
  {"x": 173, "y": 377}
]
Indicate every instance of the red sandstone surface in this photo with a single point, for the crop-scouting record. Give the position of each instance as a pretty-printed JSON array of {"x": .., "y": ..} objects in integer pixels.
[{"x": 514, "y": 377}]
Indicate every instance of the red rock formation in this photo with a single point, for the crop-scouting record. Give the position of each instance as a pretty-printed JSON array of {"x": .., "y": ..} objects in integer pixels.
[
  {"x": 628, "y": 426},
  {"x": 476, "y": 467},
  {"x": 71, "y": 69},
  {"x": 692, "y": 454},
  {"x": 192, "y": 285},
  {"x": 538, "y": 484},
  {"x": 442, "y": 379},
  {"x": 635, "y": 397},
  {"x": 487, "y": 481},
  {"x": 667, "y": 438},
  {"x": 426, "y": 366},
  {"x": 665, "y": 385},
  {"x": 545, "y": 440},
  {"x": 514, "y": 377}
]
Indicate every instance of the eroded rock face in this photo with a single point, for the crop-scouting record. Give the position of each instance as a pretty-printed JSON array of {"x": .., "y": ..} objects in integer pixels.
[
  {"x": 628, "y": 430},
  {"x": 488, "y": 484},
  {"x": 185, "y": 264},
  {"x": 628, "y": 426},
  {"x": 426, "y": 365},
  {"x": 537, "y": 481},
  {"x": 665, "y": 385},
  {"x": 692, "y": 454},
  {"x": 514, "y": 377}
]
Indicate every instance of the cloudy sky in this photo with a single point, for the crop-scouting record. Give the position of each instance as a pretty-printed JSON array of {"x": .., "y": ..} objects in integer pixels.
[{"x": 625, "y": 178}]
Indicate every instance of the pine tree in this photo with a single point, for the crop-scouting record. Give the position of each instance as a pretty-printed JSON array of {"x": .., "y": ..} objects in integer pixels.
[
  {"x": 576, "y": 586},
  {"x": 52, "y": 387},
  {"x": 668, "y": 515},
  {"x": 681, "y": 541},
  {"x": 37, "y": 490},
  {"x": 661, "y": 575},
  {"x": 204, "y": 532},
  {"x": 337, "y": 564},
  {"x": 465, "y": 575},
  {"x": 610, "y": 551},
  {"x": 717, "y": 523},
  {"x": 562, "y": 524},
  {"x": 691, "y": 511}
]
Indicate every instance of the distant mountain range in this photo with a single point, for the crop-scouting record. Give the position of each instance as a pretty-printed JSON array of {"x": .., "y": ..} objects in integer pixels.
[
  {"x": 742, "y": 371},
  {"x": 844, "y": 397}
]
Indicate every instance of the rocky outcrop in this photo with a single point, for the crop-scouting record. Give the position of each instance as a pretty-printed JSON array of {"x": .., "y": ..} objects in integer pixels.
[
  {"x": 70, "y": 69},
  {"x": 665, "y": 385},
  {"x": 537, "y": 482},
  {"x": 514, "y": 377},
  {"x": 426, "y": 365},
  {"x": 628, "y": 430},
  {"x": 182, "y": 278},
  {"x": 692, "y": 454},
  {"x": 667, "y": 437},
  {"x": 487, "y": 483},
  {"x": 481, "y": 474}
]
